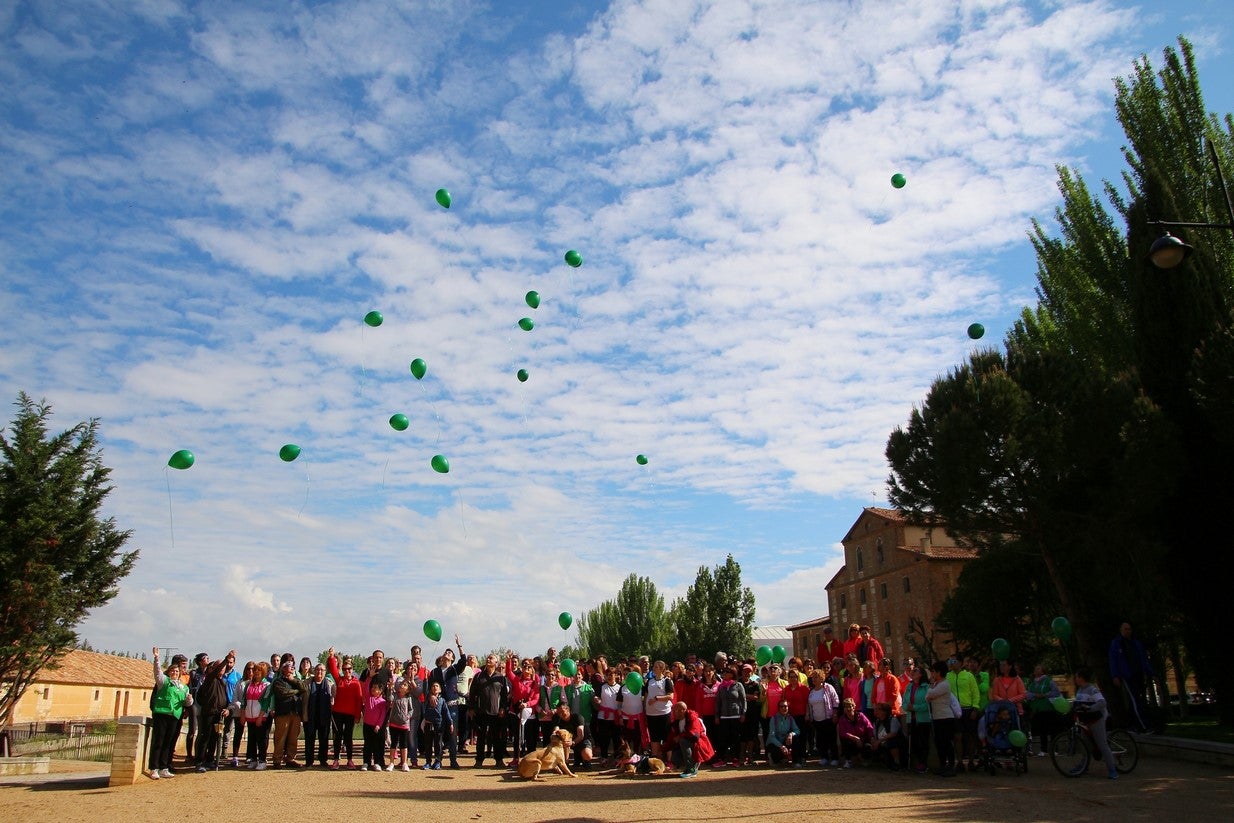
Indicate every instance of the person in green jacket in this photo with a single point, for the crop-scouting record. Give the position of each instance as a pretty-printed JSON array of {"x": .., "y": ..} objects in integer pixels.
[
  {"x": 170, "y": 698},
  {"x": 579, "y": 696}
]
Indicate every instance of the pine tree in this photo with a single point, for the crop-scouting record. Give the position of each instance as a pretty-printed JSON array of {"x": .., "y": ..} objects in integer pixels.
[{"x": 58, "y": 558}]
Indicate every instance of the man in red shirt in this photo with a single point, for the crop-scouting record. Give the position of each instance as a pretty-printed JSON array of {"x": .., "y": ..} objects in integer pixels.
[{"x": 829, "y": 649}]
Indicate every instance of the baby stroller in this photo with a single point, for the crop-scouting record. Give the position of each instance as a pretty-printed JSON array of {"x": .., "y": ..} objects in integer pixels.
[{"x": 1003, "y": 742}]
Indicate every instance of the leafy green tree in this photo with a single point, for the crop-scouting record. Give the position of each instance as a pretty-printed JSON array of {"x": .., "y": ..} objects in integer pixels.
[
  {"x": 1099, "y": 439},
  {"x": 635, "y": 622},
  {"x": 58, "y": 557},
  {"x": 716, "y": 614}
]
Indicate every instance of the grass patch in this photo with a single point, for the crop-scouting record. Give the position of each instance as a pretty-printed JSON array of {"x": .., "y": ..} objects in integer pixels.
[{"x": 1200, "y": 728}]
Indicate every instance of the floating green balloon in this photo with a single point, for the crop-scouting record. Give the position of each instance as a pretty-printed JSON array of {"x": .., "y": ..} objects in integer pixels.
[
  {"x": 1001, "y": 649},
  {"x": 634, "y": 682},
  {"x": 440, "y": 464},
  {"x": 289, "y": 452},
  {"x": 564, "y": 620},
  {"x": 418, "y": 368},
  {"x": 898, "y": 180},
  {"x": 1061, "y": 705},
  {"x": 432, "y": 630},
  {"x": 976, "y": 331},
  {"x": 568, "y": 667},
  {"x": 443, "y": 198},
  {"x": 763, "y": 655},
  {"x": 526, "y": 324},
  {"x": 641, "y": 460},
  {"x": 1016, "y": 738},
  {"x": 1062, "y": 628},
  {"x": 182, "y": 459},
  {"x": 574, "y": 259},
  {"x": 399, "y": 422},
  {"x": 373, "y": 319},
  {"x": 533, "y": 299},
  {"x": 522, "y": 375},
  {"x": 778, "y": 653}
]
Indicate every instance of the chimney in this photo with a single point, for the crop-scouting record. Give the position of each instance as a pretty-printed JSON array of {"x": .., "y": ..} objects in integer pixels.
[{"x": 925, "y": 545}]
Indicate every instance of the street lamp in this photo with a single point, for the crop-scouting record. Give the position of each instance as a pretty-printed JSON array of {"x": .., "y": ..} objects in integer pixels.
[{"x": 1167, "y": 251}]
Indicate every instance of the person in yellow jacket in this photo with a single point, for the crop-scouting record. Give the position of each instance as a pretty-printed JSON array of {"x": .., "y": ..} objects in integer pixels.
[{"x": 968, "y": 694}]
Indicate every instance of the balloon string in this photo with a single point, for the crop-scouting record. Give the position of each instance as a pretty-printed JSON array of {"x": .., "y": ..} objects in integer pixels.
[
  {"x": 461, "y": 517},
  {"x": 383, "y": 472},
  {"x": 433, "y": 406},
  {"x": 363, "y": 371},
  {"x": 306, "y": 494},
  {"x": 171, "y": 521}
]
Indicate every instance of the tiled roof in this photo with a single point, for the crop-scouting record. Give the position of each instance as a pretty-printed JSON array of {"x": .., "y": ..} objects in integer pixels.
[
  {"x": 94, "y": 669},
  {"x": 818, "y": 621},
  {"x": 890, "y": 514},
  {"x": 942, "y": 552}
]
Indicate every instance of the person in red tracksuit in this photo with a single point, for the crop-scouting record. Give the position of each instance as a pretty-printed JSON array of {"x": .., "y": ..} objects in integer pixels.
[{"x": 347, "y": 708}]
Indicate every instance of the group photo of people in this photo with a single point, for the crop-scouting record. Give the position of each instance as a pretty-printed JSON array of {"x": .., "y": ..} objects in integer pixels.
[{"x": 847, "y": 706}]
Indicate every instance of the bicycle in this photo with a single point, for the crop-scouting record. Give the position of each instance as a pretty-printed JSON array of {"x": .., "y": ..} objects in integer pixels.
[{"x": 1072, "y": 751}]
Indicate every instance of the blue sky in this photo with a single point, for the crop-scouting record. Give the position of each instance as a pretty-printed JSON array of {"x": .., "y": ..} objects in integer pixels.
[{"x": 202, "y": 201}]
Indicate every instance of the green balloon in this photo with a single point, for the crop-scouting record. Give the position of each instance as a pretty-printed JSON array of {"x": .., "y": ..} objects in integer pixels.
[
  {"x": 898, "y": 180},
  {"x": 374, "y": 319},
  {"x": 533, "y": 299},
  {"x": 418, "y": 368},
  {"x": 976, "y": 331},
  {"x": 443, "y": 198},
  {"x": 440, "y": 464},
  {"x": 432, "y": 630},
  {"x": 564, "y": 620},
  {"x": 763, "y": 655},
  {"x": 289, "y": 452},
  {"x": 182, "y": 459},
  {"x": 526, "y": 324},
  {"x": 778, "y": 653},
  {"x": 1001, "y": 649},
  {"x": 634, "y": 682},
  {"x": 399, "y": 422},
  {"x": 1062, "y": 628},
  {"x": 1061, "y": 705},
  {"x": 574, "y": 259},
  {"x": 568, "y": 667},
  {"x": 641, "y": 459},
  {"x": 523, "y": 375},
  {"x": 1016, "y": 738}
]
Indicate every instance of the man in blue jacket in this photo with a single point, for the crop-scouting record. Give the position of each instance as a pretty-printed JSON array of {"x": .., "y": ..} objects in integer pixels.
[{"x": 1130, "y": 671}]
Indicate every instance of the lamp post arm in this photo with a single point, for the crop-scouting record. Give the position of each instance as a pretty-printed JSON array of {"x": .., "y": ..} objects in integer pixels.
[{"x": 1229, "y": 208}]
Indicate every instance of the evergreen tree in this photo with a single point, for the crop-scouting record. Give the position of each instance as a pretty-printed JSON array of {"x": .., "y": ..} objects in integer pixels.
[
  {"x": 635, "y": 622},
  {"x": 58, "y": 558},
  {"x": 716, "y": 614}
]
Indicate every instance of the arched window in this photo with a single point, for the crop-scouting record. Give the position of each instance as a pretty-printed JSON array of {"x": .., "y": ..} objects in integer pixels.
[
  {"x": 861, "y": 595},
  {"x": 861, "y": 563},
  {"x": 882, "y": 590},
  {"x": 843, "y": 601},
  {"x": 878, "y": 551}
]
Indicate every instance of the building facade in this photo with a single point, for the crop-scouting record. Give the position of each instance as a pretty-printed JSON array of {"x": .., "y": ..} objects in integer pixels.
[
  {"x": 87, "y": 686},
  {"x": 807, "y": 635},
  {"x": 894, "y": 573}
]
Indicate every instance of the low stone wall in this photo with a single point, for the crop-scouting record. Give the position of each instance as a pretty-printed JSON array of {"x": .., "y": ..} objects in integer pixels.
[
  {"x": 10, "y": 766},
  {"x": 1191, "y": 751}
]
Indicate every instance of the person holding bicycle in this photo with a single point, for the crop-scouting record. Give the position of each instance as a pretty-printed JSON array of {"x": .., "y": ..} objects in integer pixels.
[{"x": 1091, "y": 709}]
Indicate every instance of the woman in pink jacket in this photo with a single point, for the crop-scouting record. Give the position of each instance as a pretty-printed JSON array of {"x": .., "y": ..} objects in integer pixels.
[
  {"x": 521, "y": 724},
  {"x": 1008, "y": 686}
]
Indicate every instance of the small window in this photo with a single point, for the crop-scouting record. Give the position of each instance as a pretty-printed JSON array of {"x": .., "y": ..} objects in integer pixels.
[
  {"x": 878, "y": 550},
  {"x": 47, "y": 692},
  {"x": 96, "y": 694},
  {"x": 908, "y": 585},
  {"x": 861, "y": 563},
  {"x": 843, "y": 601},
  {"x": 861, "y": 595},
  {"x": 882, "y": 590},
  {"x": 887, "y": 630}
]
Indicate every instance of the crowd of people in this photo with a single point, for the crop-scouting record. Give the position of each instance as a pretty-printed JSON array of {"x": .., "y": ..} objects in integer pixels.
[{"x": 847, "y": 706}]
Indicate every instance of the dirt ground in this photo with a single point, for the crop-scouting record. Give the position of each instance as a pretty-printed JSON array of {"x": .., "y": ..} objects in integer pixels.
[{"x": 1158, "y": 789}]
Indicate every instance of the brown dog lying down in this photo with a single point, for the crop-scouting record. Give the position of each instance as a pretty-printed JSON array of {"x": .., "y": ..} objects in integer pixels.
[
  {"x": 551, "y": 758},
  {"x": 631, "y": 763}
]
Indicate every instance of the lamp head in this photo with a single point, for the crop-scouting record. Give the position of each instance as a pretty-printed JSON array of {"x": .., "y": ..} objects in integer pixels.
[{"x": 1167, "y": 251}]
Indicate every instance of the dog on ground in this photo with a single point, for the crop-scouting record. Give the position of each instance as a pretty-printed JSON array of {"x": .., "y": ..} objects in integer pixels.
[
  {"x": 552, "y": 757},
  {"x": 631, "y": 763}
]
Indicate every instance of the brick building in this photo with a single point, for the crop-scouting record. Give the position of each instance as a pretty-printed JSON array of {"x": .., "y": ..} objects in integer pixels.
[
  {"x": 893, "y": 572},
  {"x": 807, "y": 635}
]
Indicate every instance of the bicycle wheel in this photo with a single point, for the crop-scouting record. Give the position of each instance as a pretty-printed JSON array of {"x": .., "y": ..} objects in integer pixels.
[
  {"x": 1070, "y": 754},
  {"x": 1123, "y": 747}
]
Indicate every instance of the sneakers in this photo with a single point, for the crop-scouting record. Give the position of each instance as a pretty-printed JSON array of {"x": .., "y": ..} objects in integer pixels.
[
  {"x": 165, "y": 773},
  {"x": 261, "y": 766},
  {"x": 364, "y": 767},
  {"x": 848, "y": 764},
  {"x": 202, "y": 770},
  {"x": 390, "y": 768},
  {"x": 690, "y": 772},
  {"x": 437, "y": 766},
  {"x": 404, "y": 768},
  {"x": 428, "y": 766},
  {"x": 235, "y": 762},
  {"x": 798, "y": 765},
  {"x": 835, "y": 762},
  {"x": 154, "y": 774},
  {"x": 1113, "y": 774},
  {"x": 734, "y": 763}
]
